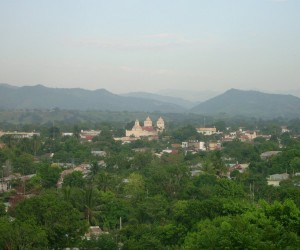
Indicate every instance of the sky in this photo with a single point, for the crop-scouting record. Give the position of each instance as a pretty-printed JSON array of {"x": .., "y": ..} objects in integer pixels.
[{"x": 142, "y": 45}]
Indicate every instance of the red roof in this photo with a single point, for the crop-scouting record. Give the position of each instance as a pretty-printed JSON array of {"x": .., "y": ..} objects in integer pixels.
[
  {"x": 89, "y": 137},
  {"x": 148, "y": 128}
]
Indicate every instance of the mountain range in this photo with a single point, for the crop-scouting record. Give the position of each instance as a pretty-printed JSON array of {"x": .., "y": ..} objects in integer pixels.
[
  {"x": 41, "y": 97},
  {"x": 231, "y": 103}
]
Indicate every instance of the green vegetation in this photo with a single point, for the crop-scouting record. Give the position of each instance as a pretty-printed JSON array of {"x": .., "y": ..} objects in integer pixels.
[{"x": 144, "y": 201}]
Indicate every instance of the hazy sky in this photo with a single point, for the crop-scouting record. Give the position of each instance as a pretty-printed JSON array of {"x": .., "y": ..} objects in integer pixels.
[{"x": 148, "y": 45}]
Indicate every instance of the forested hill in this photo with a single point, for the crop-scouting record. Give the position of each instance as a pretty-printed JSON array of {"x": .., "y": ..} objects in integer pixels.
[
  {"x": 41, "y": 97},
  {"x": 164, "y": 98},
  {"x": 251, "y": 103}
]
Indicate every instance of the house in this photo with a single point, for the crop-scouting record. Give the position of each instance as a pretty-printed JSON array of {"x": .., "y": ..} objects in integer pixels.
[
  {"x": 275, "y": 179},
  {"x": 98, "y": 153},
  {"x": 176, "y": 145},
  {"x": 148, "y": 130},
  {"x": 67, "y": 134},
  {"x": 194, "y": 145},
  {"x": 196, "y": 172},
  {"x": 207, "y": 131},
  {"x": 89, "y": 134},
  {"x": 284, "y": 129},
  {"x": 240, "y": 167},
  {"x": 126, "y": 139},
  {"x": 214, "y": 146},
  {"x": 249, "y": 135},
  {"x": 102, "y": 164},
  {"x": 5, "y": 182},
  {"x": 20, "y": 135},
  {"x": 268, "y": 154},
  {"x": 94, "y": 231}
]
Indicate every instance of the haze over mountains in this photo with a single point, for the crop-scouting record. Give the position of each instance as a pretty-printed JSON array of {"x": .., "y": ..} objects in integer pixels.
[{"x": 232, "y": 102}]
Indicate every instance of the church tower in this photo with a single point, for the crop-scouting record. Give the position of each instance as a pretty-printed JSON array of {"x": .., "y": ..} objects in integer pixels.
[
  {"x": 148, "y": 122},
  {"x": 137, "y": 126},
  {"x": 160, "y": 124}
]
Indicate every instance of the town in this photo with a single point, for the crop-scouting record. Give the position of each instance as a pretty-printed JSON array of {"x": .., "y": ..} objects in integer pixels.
[{"x": 148, "y": 184}]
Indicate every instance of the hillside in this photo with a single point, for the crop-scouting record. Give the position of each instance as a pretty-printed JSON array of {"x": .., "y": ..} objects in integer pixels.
[
  {"x": 163, "y": 98},
  {"x": 192, "y": 95},
  {"x": 251, "y": 103},
  {"x": 41, "y": 97}
]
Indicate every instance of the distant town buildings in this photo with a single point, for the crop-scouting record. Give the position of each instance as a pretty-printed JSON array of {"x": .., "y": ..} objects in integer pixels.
[
  {"x": 207, "y": 131},
  {"x": 19, "y": 135}
]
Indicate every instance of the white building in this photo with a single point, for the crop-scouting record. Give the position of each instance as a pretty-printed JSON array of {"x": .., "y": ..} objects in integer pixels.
[{"x": 207, "y": 131}]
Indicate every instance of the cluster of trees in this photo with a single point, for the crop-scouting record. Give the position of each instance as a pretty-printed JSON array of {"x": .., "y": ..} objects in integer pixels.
[{"x": 146, "y": 202}]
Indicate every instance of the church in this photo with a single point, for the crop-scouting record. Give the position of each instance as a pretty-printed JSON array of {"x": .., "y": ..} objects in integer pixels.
[{"x": 148, "y": 129}]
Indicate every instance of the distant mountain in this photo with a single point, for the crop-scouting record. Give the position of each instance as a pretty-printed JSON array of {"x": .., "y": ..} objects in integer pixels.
[
  {"x": 192, "y": 95},
  {"x": 41, "y": 97},
  {"x": 251, "y": 103},
  {"x": 295, "y": 92},
  {"x": 162, "y": 98}
]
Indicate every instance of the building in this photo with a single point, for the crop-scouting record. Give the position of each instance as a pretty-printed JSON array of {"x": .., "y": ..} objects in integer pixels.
[
  {"x": 89, "y": 134},
  {"x": 94, "y": 231},
  {"x": 248, "y": 135},
  {"x": 214, "y": 145},
  {"x": 284, "y": 129},
  {"x": 207, "y": 131},
  {"x": 147, "y": 130},
  {"x": 67, "y": 134},
  {"x": 268, "y": 154},
  {"x": 275, "y": 179},
  {"x": 98, "y": 153},
  {"x": 239, "y": 167},
  {"x": 20, "y": 135},
  {"x": 194, "y": 145}
]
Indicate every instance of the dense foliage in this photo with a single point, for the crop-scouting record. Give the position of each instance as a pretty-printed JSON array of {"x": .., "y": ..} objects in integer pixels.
[{"x": 143, "y": 201}]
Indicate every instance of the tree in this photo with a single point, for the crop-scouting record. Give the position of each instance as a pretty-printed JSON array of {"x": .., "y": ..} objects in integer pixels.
[
  {"x": 90, "y": 205},
  {"x": 23, "y": 164},
  {"x": 135, "y": 187},
  {"x": 269, "y": 226},
  {"x": 75, "y": 179},
  {"x": 54, "y": 132},
  {"x": 28, "y": 235},
  {"x": 217, "y": 163},
  {"x": 185, "y": 133},
  {"x": 6, "y": 233},
  {"x": 241, "y": 151},
  {"x": 220, "y": 125},
  {"x": 49, "y": 175},
  {"x": 152, "y": 209},
  {"x": 112, "y": 208},
  {"x": 106, "y": 181},
  {"x": 62, "y": 223},
  {"x": 76, "y": 131}
]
